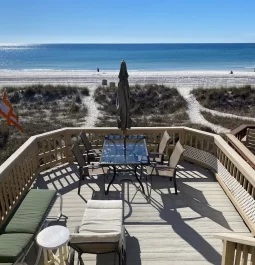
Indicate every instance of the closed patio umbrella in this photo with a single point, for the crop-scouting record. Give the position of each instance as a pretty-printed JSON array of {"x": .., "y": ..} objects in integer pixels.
[{"x": 123, "y": 104}]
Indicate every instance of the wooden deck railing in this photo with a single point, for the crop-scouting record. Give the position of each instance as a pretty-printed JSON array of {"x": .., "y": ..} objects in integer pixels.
[
  {"x": 237, "y": 249},
  {"x": 236, "y": 141},
  {"x": 47, "y": 150}
]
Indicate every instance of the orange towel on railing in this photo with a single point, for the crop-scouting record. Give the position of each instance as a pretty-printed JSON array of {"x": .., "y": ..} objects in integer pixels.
[{"x": 6, "y": 109}]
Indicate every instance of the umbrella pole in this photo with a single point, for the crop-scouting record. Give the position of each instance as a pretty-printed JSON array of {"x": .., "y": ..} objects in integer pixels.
[{"x": 125, "y": 146}]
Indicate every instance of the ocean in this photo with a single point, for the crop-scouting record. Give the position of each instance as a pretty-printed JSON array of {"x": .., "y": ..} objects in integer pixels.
[{"x": 149, "y": 57}]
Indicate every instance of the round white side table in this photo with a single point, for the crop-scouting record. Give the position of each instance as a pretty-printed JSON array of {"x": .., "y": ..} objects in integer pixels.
[{"x": 54, "y": 237}]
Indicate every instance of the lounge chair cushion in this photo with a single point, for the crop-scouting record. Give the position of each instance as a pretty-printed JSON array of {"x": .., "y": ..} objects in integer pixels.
[
  {"x": 102, "y": 221},
  {"x": 13, "y": 245},
  {"x": 30, "y": 214}
]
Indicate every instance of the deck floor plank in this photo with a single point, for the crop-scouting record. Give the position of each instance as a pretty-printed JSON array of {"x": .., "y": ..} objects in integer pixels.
[{"x": 163, "y": 228}]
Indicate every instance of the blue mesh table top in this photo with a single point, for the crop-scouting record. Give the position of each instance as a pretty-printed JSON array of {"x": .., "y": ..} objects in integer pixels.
[{"x": 128, "y": 150}]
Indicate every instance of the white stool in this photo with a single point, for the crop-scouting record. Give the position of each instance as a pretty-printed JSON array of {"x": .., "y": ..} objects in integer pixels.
[{"x": 54, "y": 237}]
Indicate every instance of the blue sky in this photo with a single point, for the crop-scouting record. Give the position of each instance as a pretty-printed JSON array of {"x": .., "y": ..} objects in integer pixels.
[{"x": 130, "y": 21}]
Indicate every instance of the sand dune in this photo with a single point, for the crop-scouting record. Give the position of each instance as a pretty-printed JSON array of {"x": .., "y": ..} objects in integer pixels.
[{"x": 184, "y": 81}]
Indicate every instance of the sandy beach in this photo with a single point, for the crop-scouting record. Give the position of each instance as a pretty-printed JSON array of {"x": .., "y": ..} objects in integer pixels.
[{"x": 92, "y": 79}]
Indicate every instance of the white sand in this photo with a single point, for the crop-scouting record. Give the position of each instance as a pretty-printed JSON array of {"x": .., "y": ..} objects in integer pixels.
[
  {"x": 190, "y": 79},
  {"x": 184, "y": 81}
]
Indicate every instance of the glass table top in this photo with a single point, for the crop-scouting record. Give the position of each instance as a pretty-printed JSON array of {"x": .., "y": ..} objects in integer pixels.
[{"x": 128, "y": 150}]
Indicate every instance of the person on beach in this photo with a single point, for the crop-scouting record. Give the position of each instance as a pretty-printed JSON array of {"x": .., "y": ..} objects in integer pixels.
[
  {"x": 97, "y": 69},
  {"x": 231, "y": 72}
]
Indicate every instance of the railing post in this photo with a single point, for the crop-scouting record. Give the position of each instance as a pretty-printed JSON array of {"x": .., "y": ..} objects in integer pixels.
[
  {"x": 228, "y": 253},
  {"x": 68, "y": 143},
  {"x": 182, "y": 136},
  {"x": 35, "y": 157}
]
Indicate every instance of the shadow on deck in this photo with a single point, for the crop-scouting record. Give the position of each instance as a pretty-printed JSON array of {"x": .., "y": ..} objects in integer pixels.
[{"x": 163, "y": 228}]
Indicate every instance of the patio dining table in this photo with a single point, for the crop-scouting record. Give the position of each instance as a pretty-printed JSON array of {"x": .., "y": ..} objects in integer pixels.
[{"x": 124, "y": 153}]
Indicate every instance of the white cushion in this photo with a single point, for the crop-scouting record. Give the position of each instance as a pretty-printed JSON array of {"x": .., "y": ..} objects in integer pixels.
[
  {"x": 102, "y": 221},
  {"x": 104, "y": 204},
  {"x": 85, "y": 238}
]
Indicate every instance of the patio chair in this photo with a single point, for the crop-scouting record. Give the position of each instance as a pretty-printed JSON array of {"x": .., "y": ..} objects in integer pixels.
[
  {"x": 101, "y": 231},
  {"x": 170, "y": 169},
  {"x": 84, "y": 168},
  {"x": 158, "y": 156},
  {"x": 92, "y": 154}
]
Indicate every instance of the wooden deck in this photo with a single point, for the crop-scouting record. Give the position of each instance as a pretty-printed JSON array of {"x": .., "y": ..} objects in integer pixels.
[{"x": 163, "y": 228}]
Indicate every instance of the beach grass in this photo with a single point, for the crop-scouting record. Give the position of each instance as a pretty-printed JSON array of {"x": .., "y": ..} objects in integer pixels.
[
  {"x": 144, "y": 100},
  {"x": 48, "y": 90},
  {"x": 179, "y": 118},
  {"x": 234, "y": 100},
  {"x": 150, "y": 105},
  {"x": 41, "y": 108}
]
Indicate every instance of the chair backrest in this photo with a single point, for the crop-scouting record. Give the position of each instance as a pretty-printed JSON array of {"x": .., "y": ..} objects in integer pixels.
[
  {"x": 85, "y": 141},
  {"x": 163, "y": 142},
  {"x": 78, "y": 155},
  {"x": 175, "y": 156}
]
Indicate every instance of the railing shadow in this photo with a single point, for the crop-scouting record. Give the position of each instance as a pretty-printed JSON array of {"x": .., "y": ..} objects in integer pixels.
[
  {"x": 65, "y": 179},
  {"x": 167, "y": 206},
  {"x": 188, "y": 197}
]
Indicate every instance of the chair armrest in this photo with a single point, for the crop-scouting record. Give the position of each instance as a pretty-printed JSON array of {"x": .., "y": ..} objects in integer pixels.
[
  {"x": 157, "y": 166},
  {"x": 91, "y": 166},
  {"x": 151, "y": 154},
  {"x": 148, "y": 142}
]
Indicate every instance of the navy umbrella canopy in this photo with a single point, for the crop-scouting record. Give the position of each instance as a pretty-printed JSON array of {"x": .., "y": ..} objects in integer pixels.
[{"x": 123, "y": 99}]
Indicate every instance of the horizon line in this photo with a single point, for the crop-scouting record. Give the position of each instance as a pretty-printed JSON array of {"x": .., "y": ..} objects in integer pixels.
[{"x": 118, "y": 43}]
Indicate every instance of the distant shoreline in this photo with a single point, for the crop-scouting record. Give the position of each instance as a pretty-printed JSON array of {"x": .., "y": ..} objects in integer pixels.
[
  {"x": 219, "y": 71},
  {"x": 93, "y": 79},
  {"x": 139, "y": 57}
]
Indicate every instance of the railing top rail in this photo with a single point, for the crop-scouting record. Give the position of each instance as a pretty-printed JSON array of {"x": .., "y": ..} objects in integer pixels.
[
  {"x": 115, "y": 129},
  {"x": 241, "y": 128},
  {"x": 50, "y": 133},
  {"x": 7, "y": 165},
  {"x": 242, "y": 149},
  {"x": 203, "y": 133},
  {"x": 236, "y": 238},
  {"x": 245, "y": 169},
  {"x": 236, "y": 159}
]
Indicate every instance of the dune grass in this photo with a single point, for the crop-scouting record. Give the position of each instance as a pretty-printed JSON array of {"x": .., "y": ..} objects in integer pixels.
[
  {"x": 151, "y": 105},
  {"x": 144, "y": 100},
  {"x": 179, "y": 118},
  {"x": 234, "y": 100},
  {"x": 41, "y": 108}
]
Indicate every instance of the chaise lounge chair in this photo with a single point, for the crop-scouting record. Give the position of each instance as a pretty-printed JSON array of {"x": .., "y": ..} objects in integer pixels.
[{"x": 101, "y": 231}]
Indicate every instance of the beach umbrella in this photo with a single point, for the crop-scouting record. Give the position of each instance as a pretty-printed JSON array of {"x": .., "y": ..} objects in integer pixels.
[{"x": 123, "y": 95}]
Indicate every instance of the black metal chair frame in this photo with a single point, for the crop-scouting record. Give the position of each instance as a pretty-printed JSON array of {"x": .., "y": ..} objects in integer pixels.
[
  {"x": 83, "y": 167},
  {"x": 91, "y": 153}
]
